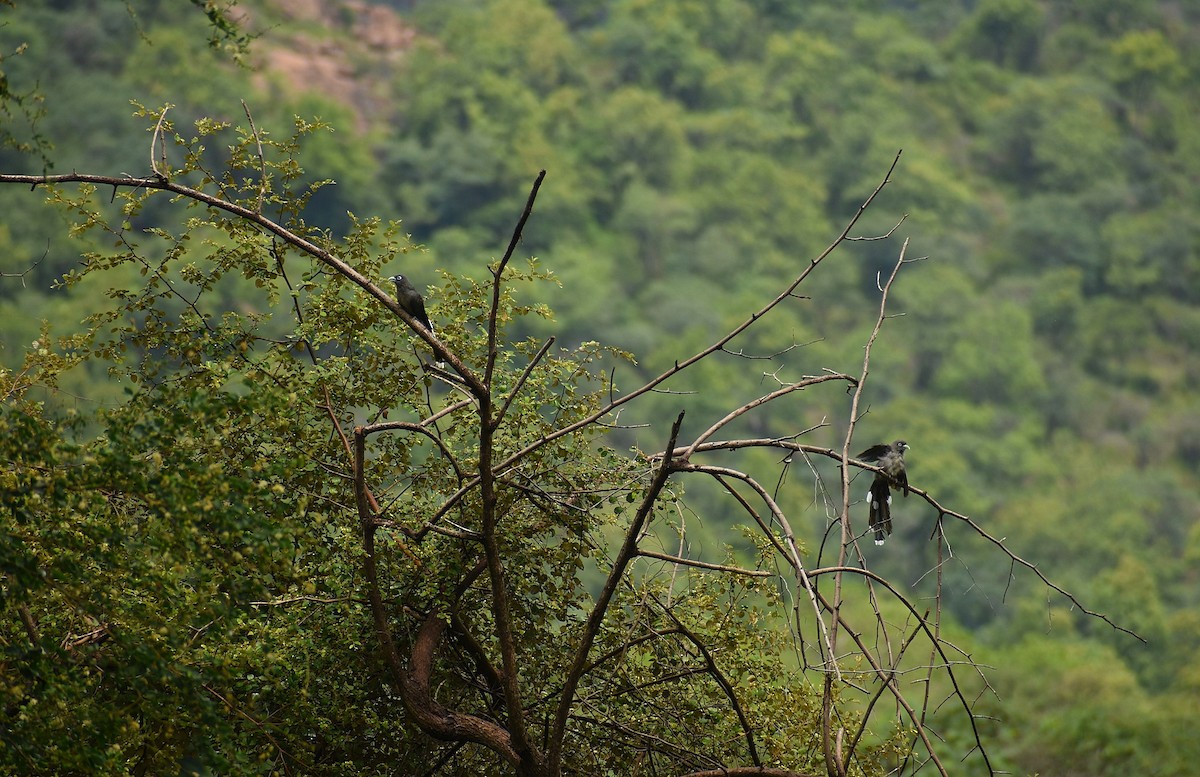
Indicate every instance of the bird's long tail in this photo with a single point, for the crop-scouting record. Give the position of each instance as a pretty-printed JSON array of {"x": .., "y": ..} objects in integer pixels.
[{"x": 880, "y": 515}]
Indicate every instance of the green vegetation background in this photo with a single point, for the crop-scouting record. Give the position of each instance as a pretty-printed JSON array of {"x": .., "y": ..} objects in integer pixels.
[{"x": 1045, "y": 369}]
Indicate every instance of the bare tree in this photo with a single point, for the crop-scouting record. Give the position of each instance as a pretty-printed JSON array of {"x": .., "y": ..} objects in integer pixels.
[{"x": 457, "y": 647}]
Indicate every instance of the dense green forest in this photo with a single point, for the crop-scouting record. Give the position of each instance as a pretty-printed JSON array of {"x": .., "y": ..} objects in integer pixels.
[{"x": 1041, "y": 358}]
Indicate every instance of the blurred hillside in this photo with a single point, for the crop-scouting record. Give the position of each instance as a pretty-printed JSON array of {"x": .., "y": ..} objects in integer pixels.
[{"x": 699, "y": 153}]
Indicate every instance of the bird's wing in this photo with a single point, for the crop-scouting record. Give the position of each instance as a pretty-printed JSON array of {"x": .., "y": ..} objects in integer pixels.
[
  {"x": 875, "y": 452},
  {"x": 420, "y": 314}
]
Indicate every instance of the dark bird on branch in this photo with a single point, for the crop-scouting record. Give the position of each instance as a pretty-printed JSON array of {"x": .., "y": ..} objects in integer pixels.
[
  {"x": 890, "y": 459},
  {"x": 411, "y": 300},
  {"x": 413, "y": 303}
]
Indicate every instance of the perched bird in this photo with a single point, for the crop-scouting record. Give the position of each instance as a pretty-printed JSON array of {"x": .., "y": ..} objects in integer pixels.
[
  {"x": 411, "y": 300},
  {"x": 890, "y": 459},
  {"x": 413, "y": 303}
]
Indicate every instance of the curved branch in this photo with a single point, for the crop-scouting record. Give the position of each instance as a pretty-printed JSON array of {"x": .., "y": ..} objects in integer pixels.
[
  {"x": 721, "y": 680},
  {"x": 284, "y": 234},
  {"x": 162, "y": 117},
  {"x": 746, "y": 408},
  {"x": 483, "y": 665},
  {"x": 689, "y": 562},
  {"x": 262, "y": 166},
  {"x": 791, "y": 552},
  {"x": 432, "y": 717},
  {"x": 886, "y": 675},
  {"x": 417, "y": 429},
  {"x": 749, "y": 771}
]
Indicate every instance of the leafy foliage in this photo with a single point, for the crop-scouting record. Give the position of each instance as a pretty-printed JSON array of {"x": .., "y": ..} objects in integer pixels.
[{"x": 191, "y": 577}]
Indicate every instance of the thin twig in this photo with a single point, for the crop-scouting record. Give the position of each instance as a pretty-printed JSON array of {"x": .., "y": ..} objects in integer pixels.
[
  {"x": 721, "y": 680},
  {"x": 498, "y": 273},
  {"x": 690, "y": 562},
  {"x": 521, "y": 380},
  {"x": 746, "y": 408},
  {"x": 162, "y": 117},
  {"x": 262, "y": 165},
  {"x": 28, "y": 269}
]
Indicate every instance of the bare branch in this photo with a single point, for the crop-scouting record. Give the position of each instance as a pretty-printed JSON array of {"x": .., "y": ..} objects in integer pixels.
[
  {"x": 830, "y": 453},
  {"x": 884, "y": 236},
  {"x": 789, "y": 550},
  {"x": 866, "y": 715},
  {"x": 689, "y": 562},
  {"x": 262, "y": 164},
  {"x": 746, "y": 408},
  {"x": 28, "y": 269},
  {"x": 591, "y": 628},
  {"x": 942, "y": 511},
  {"x": 436, "y": 719},
  {"x": 859, "y": 386},
  {"x": 162, "y": 117},
  {"x": 720, "y": 344},
  {"x": 922, "y": 624},
  {"x": 521, "y": 381},
  {"x": 833, "y": 756},
  {"x": 498, "y": 274},
  {"x": 886, "y": 676}
]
